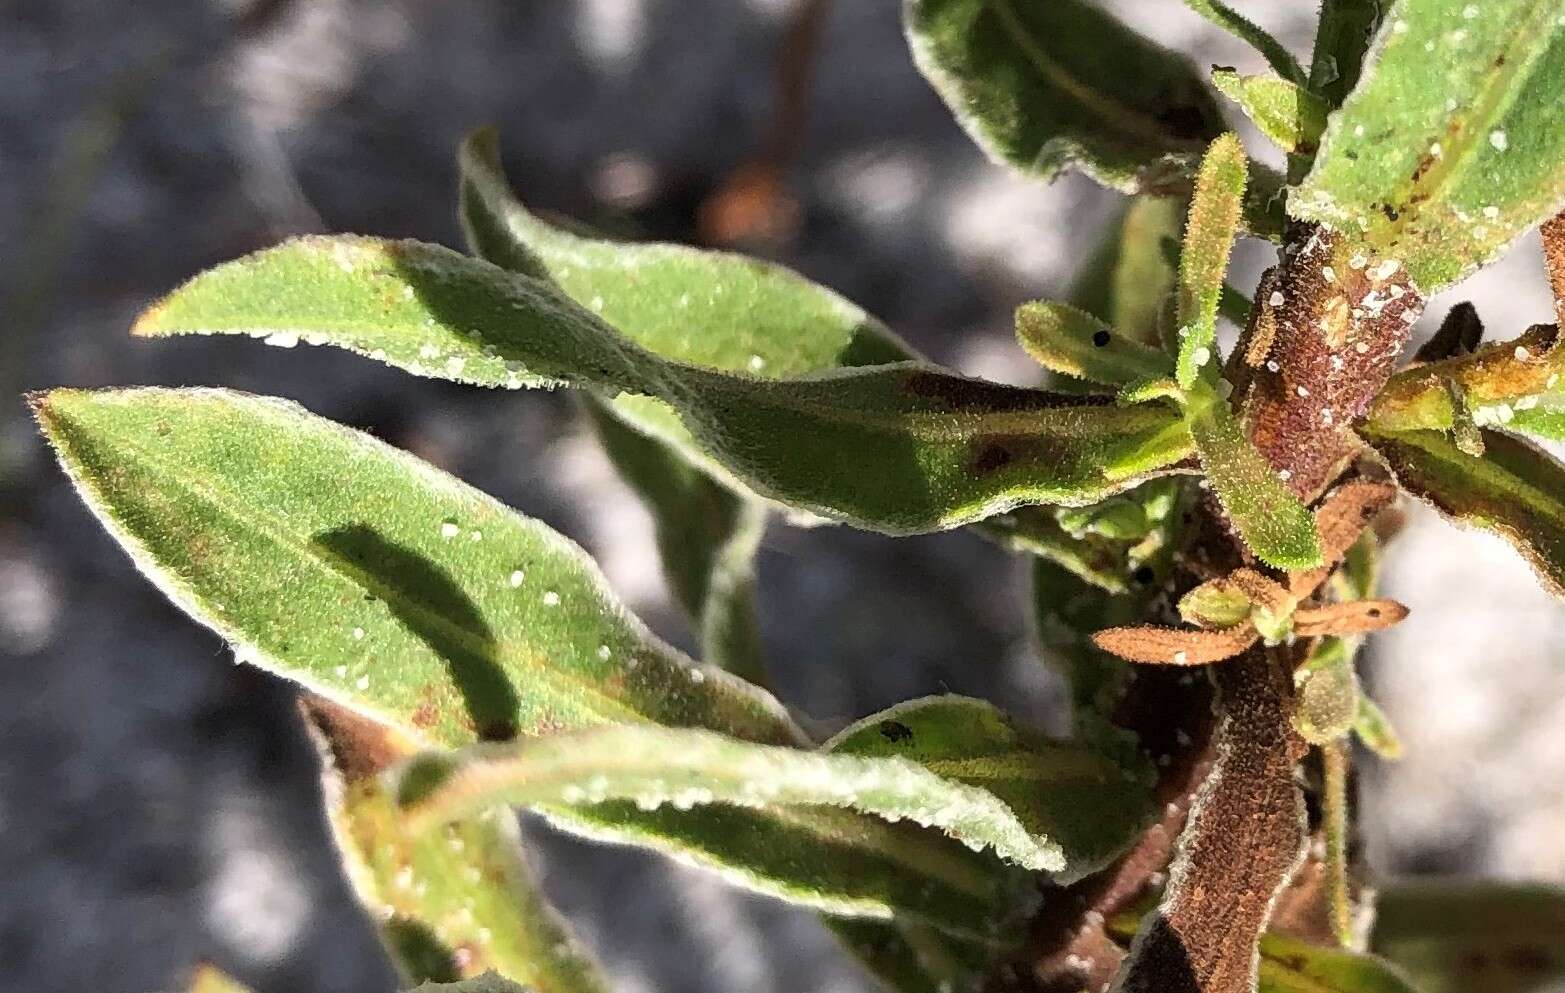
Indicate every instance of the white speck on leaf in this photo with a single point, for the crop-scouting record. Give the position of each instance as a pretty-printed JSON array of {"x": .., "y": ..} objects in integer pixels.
[
  {"x": 449, "y": 530},
  {"x": 358, "y": 634},
  {"x": 1499, "y": 140},
  {"x": 282, "y": 339},
  {"x": 517, "y": 576},
  {"x": 551, "y": 598}
]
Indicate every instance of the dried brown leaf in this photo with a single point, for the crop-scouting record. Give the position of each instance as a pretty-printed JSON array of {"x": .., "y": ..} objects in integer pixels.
[{"x": 1175, "y": 646}]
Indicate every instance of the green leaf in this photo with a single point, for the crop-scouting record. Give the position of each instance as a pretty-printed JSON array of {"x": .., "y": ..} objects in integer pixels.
[
  {"x": 1128, "y": 280},
  {"x": 1271, "y": 520},
  {"x": 705, "y": 308},
  {"x": 896, "y": 448},
  {"x": 1292, "y": 966},
  {"x": 1453, "y": 143},
  {"x": 1072, "y": 342},
  {"x": 1241, "y": 27},
  {"x": 908, "y": 957},
  {"x": 1288, "y": 114},
  {"x": 372, "y": 578},
  {"x": 395, "y": 590},
  {"x": 1458, "y": 937},
  {"x": 707, "y": 537},
  {"x": 1209, "y": 237},
  {"x": 1341, "y": 40},
  {"x": 468, "y": 885},
  {"x": 1542, "y": 422},
  {"x": 1328, "y": 693},
  {"x": 1025, "y": 86},
  {"x": 1092, "y": 806},
  {"x": 1515, "y": 490},
  {"x": 1376, "y": 731}
]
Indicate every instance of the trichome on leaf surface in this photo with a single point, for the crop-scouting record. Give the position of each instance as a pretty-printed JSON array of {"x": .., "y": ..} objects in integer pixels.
[{"x": 1203, "y": 528}]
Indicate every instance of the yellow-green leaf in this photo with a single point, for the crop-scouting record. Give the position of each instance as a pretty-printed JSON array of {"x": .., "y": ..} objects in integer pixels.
[
  {"x": 1072, "y": 342},
  {"x": 1461, "y": 937},
  {"x": 1286, "y": 112},
  {"x": 1209, "y": 237},
  {"x": 1453, "y": 142}
]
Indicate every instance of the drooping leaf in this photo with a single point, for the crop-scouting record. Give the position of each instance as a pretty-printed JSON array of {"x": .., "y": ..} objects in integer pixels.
[
  {"x": 1458, "y": 937},
  {"x": 1128, "y": 280},
  {"x": 1288, "y": 965},
  {"x": 1241, "y": 27},
  {"x": 1493, "y": 385},
  {"x": 1272, "y": 521},
  {"x": 897, "y": 448},
  {"x": 391, "y": 588},
  {"x": 1209, "y": 237},
  {"x": 1131, "y": 115},
  {"x": 1286, "y": 112},
  {"x": 451, "y": 904},
  {"x": 707, "y": 537},
  {"x": 1072, "y": 342},
  {"x": 1515, "y": 490},
  {"x": 1453, "y": 143},
  {"x": 1091, "y": 805},
  {"x": 1150, "y": 644}
]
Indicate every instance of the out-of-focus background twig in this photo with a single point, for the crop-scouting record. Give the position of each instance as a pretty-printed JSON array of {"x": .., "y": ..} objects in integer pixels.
[{"x": 157, "y": 803}]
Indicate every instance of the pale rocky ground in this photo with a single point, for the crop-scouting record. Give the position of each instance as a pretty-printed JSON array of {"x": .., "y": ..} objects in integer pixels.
[{"x": 158, "y": 804}]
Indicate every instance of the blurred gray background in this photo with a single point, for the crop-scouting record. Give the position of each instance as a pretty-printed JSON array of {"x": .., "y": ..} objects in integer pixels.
[{"x": 158, "y": 803}]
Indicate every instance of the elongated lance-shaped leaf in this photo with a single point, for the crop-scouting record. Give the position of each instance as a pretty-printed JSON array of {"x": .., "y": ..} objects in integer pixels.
[
  {"x": 1540, "y": 422},
  {"x": 1270, "y": 519},
  {"x": 1072, "y": 342},
  {"x": 1453, "y": 143},
  {"x": 684, "y": 767},
  {"x": 1286, "y": 112},
  {"x": 1129, "y": 114},
  {"x": 1515, "y": 490},
  {"x": 1091, "y": 805},
  {"x": 1492, "y": 384},
  {"x": 711, "y": 309},
  {"x": 1457, "y": 936},
  {"x": 1236, "y": 24},
  {"x": 372, "y": 578},
  {"x": 400, "y": 593},
  {"x": 896, "y": 448},
  {"x": 707, "y": 537},
  {"x": 454, "y": 903},
  {"x": 1209, "y": 237},
  {"x": 1128, "y": 279},
  {"x": 1288, "y": 965}
]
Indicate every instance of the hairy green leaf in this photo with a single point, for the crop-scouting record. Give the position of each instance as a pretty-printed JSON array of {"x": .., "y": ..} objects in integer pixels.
[
  {"x": 901, "y": 448},
  {"x": 1515, "y": 490},
  {"x": 707, "y": 537},
  {"x": 1328, "y": 693},
  {"x": 1460, "y": 937},
  {"x": 705, "y": 308},
  {"x": 1376, "y": 731},
  {"x": 399, "y": 592},
  {"x": 1491, "y": 386},
  {"x": 683, "y": 768},
  {"x": 1090, "y": 805},
  {"x": 1209, "y": 237},
  {"x": 1342, "y": 38},
  {"x": 1453, "y": 143},
  {"x": 372, "y": 578},
  {"x": 1286, "y": 112},
  {"x": 1292, "y": 966},
  {"x": 1072, "y": 342},
  {"x": 1128, "y": 279},
  {"x": 468, "y": 885},
  {"x": 1542, "y": 422},
  {"x": 1236, "y": 24},
  {"x": 1271, "y": 520},
  {"x": 1046, "y": 86}
]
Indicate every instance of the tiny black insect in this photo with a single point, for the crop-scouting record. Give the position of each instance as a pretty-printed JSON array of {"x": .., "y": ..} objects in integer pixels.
[
  {"x": 1100, "y": 338},
  {"x": 896, "y": 731}
]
